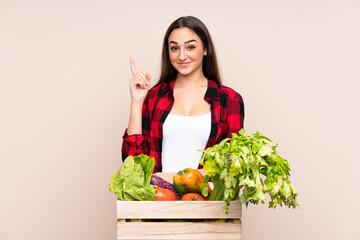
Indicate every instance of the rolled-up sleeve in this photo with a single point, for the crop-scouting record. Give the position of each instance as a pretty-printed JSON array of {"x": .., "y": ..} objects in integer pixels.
[
  {"x": 136, "y": 144},
  {"x": 132, "y": 145}
]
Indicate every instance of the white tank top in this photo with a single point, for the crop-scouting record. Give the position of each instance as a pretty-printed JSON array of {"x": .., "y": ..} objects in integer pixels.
[{"x": 182, "y": 137}]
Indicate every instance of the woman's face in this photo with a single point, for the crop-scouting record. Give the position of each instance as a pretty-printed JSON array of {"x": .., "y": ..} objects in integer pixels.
[{"x": 186, "y": 51}]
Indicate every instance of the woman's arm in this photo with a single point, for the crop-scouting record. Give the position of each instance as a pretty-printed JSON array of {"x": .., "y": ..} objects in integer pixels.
[
  {"x": 133, "y": 143},
  {"x": 137, "y": 143},
  {"x": 139, "y": 86},
  {"x": 135, "y": 120}
]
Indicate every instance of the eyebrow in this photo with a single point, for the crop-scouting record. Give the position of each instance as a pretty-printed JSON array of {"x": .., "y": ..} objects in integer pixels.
[{"x": 189, "y": 41}]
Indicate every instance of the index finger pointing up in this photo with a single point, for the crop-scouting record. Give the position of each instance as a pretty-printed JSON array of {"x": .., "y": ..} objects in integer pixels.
[{"x": 133, "y": 68}]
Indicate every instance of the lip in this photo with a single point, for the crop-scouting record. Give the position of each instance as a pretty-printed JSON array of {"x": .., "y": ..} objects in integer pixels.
[{"x": 185, "y": 64}]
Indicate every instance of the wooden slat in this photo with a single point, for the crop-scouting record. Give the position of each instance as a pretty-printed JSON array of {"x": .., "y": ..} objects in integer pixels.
[
  {"x": 176, "y": 210},
  {"x": 237, "y": 220},
  {"x": 179, "y": 230}
]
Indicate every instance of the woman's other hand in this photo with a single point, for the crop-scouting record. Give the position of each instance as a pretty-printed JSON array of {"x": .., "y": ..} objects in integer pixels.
[
  {"x": 139, "y": 84},
  {"x": 167, "y": 176}
]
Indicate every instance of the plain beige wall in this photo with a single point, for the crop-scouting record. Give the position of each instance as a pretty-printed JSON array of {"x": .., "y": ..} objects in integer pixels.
[{"x": 64, "y": 99}]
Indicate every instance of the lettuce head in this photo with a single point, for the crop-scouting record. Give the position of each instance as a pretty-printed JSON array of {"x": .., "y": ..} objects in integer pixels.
[{"x": 132, "y": 180}]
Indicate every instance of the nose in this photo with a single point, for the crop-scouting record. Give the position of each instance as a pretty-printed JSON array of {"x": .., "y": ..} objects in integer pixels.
[{"x": 182, "y": 55}]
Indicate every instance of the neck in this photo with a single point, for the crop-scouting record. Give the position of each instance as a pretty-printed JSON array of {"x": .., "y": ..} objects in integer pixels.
[{"x": 191, "y": 81}]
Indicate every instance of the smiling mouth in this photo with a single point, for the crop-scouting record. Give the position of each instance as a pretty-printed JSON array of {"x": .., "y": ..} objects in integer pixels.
[{"x": 184, "y": 64}]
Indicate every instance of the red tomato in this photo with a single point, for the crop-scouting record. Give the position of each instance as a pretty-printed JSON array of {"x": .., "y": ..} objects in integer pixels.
[
  {"x": 193, "y": 197},
  {"x": 164, "y": 195}
]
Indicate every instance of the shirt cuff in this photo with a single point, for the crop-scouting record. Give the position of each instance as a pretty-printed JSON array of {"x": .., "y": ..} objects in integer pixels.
[{"x": 133, "y": 139}]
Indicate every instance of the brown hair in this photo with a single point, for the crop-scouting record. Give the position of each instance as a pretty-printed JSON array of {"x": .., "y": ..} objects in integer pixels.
[{"x": 210, "y": 67}]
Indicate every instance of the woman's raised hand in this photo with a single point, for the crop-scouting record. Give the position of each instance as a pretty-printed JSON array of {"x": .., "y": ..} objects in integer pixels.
[{"x": 139, "y": 83}]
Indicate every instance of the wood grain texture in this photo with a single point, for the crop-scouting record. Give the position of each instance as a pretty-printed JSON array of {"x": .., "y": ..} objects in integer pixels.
[
  {"x": 193, "y": 228},
  {"x": 176, "y": 210},
  {"x": 179, "y": 230}
]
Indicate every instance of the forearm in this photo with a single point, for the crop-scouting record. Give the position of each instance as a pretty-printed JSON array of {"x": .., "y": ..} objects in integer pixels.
[
  {"x": 135, "y": 120},
  {"x": 167, "y": 176}
]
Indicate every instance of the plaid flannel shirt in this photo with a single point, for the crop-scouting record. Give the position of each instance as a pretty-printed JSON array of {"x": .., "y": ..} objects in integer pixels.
[{"x": 227, "y": 116}]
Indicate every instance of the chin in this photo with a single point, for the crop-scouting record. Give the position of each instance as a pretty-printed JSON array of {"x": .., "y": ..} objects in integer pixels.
[{"x": 184, "y": 73}]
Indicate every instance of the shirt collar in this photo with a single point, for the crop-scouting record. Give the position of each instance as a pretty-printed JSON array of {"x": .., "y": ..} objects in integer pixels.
[
  {"x": 171, "y": 86},
  {"x": 212, "y": 91}
]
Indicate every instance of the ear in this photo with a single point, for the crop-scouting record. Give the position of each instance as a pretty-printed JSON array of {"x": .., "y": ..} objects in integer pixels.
[{"x": 205, "y": 52}]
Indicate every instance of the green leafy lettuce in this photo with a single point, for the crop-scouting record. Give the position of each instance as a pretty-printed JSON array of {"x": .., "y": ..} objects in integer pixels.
[
  {"x": 132, "y": 180},
  {"x": 250, "y": 165}
]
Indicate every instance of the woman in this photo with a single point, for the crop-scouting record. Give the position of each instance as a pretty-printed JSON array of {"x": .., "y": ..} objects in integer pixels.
[{"x": 188, "y": 109}]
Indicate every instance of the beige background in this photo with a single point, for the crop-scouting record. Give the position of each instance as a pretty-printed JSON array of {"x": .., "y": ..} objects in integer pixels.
[{"x": 64, "y": 99}]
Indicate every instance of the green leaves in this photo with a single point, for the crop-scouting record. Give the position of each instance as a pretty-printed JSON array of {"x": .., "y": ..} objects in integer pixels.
[
  {"x": 132, "y": 180},
  {"x": 252, "y": 165}
]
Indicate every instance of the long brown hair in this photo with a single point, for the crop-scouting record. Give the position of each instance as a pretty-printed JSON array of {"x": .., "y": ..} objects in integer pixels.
[{"x": 210, "y": 66}]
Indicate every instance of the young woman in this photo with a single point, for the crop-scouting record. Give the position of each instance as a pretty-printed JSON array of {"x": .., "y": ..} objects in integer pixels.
[{"x": 188, "y": 109}]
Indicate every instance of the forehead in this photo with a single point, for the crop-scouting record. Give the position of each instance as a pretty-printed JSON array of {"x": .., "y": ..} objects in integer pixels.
[{"x": 181, "y": 35}]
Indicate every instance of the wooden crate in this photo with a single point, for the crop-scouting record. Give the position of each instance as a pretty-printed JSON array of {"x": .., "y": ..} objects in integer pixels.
[{"x": 192, "y": 211}]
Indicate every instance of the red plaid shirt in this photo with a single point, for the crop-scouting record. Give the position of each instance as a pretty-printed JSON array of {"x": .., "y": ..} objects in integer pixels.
[{"x": 227, "y": 116}]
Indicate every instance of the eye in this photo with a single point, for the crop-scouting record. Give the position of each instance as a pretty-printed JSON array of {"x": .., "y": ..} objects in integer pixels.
[
  {"x": 191, "y": 47},
  {"x": 173, "y": 48}
]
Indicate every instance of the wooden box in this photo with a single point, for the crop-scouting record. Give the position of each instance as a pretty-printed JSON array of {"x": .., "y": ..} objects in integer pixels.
[{"x": 192, "y": 211}]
